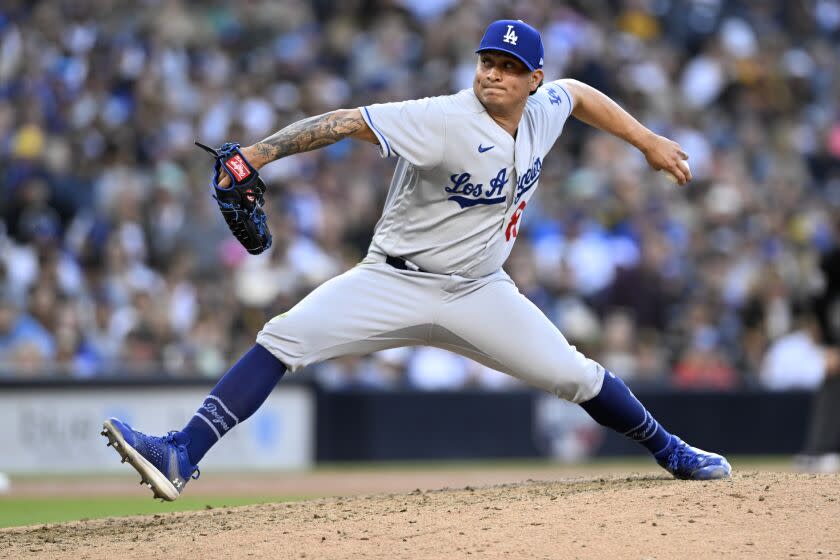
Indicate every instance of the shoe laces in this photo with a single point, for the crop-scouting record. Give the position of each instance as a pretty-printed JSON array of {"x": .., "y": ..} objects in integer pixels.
[
  {"x": 681, "y": 457},
  {"x": 170, "y": 438}
]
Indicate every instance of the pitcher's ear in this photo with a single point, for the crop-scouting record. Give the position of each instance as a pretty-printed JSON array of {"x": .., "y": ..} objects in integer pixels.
[{"x": 537, "y": 74}]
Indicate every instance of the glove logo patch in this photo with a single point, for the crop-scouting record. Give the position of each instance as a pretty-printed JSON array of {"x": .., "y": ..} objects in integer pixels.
[{"x": 238, "y": 167}]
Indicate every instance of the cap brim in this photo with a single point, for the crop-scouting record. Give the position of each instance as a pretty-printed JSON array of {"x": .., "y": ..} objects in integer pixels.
[{"x": 513, "y": 54}]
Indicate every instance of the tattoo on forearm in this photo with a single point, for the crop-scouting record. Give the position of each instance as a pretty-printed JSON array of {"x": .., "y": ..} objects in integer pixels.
[{"x": 309, "y": 134}]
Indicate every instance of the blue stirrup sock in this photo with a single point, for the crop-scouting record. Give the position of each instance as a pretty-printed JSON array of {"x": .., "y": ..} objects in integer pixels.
[
  {"x": 237, "y": 395},
  {"x": 618, "y": 408}
]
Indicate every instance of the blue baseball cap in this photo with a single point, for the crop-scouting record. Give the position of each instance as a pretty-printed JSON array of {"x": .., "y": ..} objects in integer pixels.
[{"x": 516, "y": 38}]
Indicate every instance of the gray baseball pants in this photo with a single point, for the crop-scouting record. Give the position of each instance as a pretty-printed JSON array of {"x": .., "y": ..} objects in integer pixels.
[{"x": 375, "y": 306}]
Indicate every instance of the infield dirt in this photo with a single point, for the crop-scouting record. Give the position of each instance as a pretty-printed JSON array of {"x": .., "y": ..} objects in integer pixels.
[{"x": 753, "y": 515}]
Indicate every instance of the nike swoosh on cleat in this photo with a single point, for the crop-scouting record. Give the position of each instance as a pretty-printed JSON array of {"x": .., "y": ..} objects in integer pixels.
[{"x": 482, "y": 149}]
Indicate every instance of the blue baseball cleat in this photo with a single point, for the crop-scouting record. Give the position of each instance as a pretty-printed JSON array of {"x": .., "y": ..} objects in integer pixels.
[
  {"x": 690, "y": 463},
  {"x": 163, "y": 464}
]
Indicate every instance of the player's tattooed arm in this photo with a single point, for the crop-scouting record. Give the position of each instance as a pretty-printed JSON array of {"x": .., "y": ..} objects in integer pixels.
[
  {"x": 307, "y": 135},
  {"x": 310, "y": 134},
  {"x": 596, "y": 109}
]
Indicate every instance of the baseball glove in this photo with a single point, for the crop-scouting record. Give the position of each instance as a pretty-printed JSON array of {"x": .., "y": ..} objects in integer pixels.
[{"x": 241, "y": 202}]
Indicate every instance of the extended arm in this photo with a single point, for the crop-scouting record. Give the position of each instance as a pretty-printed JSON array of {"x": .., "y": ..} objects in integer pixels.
[
  {"x": 312, "y": 133},
  {"x": 309, "y": 134},
  {"x": 596, "y": 109}
]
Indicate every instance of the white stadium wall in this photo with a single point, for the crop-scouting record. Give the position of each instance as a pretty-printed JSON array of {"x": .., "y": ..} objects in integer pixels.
[{"x": 57, "y": 430}]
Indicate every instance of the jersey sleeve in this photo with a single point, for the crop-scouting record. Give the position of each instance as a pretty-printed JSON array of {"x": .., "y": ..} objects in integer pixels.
[
  {"x": 413, "y": 130},
  {"x": 555, "y": 105}
]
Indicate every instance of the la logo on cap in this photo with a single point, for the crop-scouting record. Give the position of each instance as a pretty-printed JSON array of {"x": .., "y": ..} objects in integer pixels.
[{"x": 510, "y": 36}]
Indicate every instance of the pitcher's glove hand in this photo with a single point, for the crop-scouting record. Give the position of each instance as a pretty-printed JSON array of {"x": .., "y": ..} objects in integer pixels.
[{"x": 241, "y": 202}]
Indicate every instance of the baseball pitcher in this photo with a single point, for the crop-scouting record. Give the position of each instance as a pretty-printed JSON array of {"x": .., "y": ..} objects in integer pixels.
[{"x": 466, "y": 168}]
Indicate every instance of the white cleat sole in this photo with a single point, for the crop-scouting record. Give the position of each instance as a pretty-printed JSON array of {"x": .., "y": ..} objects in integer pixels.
[{"x": 149, "y": 474}]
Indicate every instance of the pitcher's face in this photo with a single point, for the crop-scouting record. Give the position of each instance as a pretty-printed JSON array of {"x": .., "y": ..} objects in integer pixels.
[{"x": 502, "y": 81}]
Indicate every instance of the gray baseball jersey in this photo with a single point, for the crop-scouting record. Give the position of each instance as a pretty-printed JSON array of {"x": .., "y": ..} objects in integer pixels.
[
  {"x": 462, "y": 181},
  {"x": 456, "y": 199}
]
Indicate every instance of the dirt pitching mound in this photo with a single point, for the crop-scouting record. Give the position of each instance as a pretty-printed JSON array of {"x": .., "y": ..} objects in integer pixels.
[{"x": 753, "y": 515}]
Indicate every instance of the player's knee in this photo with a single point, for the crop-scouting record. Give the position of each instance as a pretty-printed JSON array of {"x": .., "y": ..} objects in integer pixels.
[
  {"x": 580, "y": 382},
  {"x": 285, "y": 346}
]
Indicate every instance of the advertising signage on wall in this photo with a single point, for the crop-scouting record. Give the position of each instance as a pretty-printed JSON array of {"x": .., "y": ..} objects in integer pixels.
[{"x": 55, "y": 430}]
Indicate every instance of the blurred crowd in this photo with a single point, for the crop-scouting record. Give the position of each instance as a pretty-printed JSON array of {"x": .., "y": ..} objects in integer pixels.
[{"x": 115, "y": 260}]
